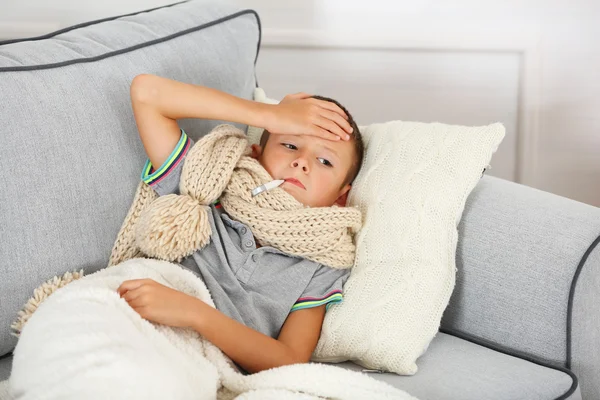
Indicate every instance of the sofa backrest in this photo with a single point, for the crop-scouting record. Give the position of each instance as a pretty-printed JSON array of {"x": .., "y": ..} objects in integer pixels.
[{"x": 69, "y": 147}]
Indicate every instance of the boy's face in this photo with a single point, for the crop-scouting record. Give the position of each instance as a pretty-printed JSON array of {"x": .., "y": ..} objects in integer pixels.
[{"x": 314, "y": 169}]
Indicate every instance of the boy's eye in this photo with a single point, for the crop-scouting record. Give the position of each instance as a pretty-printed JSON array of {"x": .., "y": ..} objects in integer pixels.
[{"x": 325, "y": 162}]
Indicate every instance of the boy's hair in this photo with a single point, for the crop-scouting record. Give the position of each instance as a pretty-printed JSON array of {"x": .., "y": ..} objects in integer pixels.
[{"x": 359, "y": 148}]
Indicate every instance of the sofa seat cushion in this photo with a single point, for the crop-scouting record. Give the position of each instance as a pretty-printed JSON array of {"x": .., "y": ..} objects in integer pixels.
[{"x": 454, "y": 368}]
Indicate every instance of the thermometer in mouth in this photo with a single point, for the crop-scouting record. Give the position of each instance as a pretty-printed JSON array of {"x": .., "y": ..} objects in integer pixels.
[{"x": 267, "y": 186}]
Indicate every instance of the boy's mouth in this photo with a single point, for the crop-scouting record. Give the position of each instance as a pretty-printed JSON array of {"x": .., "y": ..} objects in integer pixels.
[{"x": 296, "y": 182}]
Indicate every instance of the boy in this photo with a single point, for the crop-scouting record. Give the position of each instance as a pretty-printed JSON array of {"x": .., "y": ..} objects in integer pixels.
[{"x": 270, "y": 305}]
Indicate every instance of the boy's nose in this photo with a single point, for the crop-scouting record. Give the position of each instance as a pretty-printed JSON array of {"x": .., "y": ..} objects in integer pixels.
[{"x": 300, "y": 163}]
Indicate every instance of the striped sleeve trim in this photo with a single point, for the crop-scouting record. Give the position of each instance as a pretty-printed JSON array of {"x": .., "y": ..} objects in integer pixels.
[
  {"x": 152, "y": 177},
  {"x": 330, "y": 298}
]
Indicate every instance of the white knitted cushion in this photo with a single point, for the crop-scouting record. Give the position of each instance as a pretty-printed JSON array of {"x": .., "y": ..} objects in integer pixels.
[
  {"x": 411, "y": 190},
  {"x": 253, "y": 132}
]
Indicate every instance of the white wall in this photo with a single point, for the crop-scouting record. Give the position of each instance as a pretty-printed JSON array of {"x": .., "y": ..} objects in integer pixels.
[
  {"x": 553, "y": 130},
  {"x": 533, "y": 65}
]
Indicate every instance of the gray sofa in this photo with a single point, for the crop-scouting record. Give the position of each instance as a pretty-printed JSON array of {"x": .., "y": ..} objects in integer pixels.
[{"x": 523, "y": 321}]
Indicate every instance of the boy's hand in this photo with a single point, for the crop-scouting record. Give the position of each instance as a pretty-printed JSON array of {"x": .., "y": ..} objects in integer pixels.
[
  {"x": 159, "y": 303},
  {"x": 299, "y": 114}
]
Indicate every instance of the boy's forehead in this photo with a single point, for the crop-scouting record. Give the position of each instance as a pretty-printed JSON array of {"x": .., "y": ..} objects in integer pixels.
[{"x": 341, "y": 148}]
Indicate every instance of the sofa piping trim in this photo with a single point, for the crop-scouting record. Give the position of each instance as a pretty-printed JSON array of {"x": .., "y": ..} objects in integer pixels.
[
  {"x": 572, "y": 297},
  {"x": 81, "y": 25},
  {"x": 128, "y": 49},
  {"x": 510, "y": 352}
]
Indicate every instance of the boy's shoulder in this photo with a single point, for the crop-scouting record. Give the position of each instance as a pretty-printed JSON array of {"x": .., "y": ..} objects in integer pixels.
[{"x": 327, "y": 270}]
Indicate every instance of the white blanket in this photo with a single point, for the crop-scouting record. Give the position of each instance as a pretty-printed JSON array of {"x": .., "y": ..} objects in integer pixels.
[{"x": 85, "y": 342}]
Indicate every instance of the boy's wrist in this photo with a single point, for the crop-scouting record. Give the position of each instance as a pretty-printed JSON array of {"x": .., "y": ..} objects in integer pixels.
[
  {"x": 197, "y": 315},
  {"x": 262, "y": 114}
]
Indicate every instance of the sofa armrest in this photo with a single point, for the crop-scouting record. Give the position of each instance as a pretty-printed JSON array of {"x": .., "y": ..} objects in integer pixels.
[
  {"x": 583, "y": 323},
  {"x": 528, "y": 269}
]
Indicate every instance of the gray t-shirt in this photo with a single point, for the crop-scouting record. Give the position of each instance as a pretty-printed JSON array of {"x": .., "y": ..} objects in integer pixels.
[{"x": 257, "y": 287}]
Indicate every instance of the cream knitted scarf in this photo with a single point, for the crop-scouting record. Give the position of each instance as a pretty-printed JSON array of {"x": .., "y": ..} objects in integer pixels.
[{"x": 218, "y": 167}]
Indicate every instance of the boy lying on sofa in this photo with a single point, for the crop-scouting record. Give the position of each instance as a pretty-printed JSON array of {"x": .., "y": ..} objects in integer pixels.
[
  {"x": 270, "y": 303},
  {"x": 223, "y": 268}
]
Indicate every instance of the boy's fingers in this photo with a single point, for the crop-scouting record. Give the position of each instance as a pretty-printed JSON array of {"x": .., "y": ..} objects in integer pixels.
[
  {"x": 131, "y": 295},
  {"x": 329, "y": 106},
  {"x": 325, "y": 134},
  {"x": 136, "y": 302},
  {"x": 332, "y": 127},
  {"x": 335, "y": 117},
  {"x": 130, "y": 285}
]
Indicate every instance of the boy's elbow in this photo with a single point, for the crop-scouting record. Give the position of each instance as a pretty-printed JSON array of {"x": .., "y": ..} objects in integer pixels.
[
  {"x": 290, "y": 360},
  {"x": 143, "y": 88},
  {"x": 297, "y": 358}
]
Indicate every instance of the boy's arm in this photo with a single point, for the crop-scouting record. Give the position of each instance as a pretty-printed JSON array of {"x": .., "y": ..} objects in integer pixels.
[
  {"x": 255, "y": 351},
  {"x": 251, "y": 349},
  {"x": 159, "y": 102}
]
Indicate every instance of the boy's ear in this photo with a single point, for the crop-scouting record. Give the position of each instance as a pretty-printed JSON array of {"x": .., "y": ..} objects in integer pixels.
[
  {"x": 343, "y": 198},
  {"x": 256, "y": 151}
]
